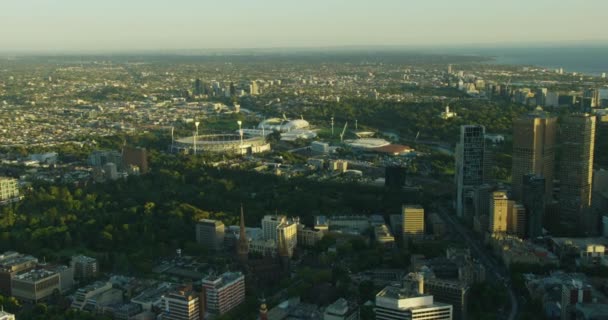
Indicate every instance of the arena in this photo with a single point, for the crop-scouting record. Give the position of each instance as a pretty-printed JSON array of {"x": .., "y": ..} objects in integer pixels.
[
  {"x": 221, "y": 143},
  {"x": 283, "y": 125}
]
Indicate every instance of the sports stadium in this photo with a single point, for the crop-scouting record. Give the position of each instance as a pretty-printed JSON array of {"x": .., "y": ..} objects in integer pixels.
[{"x": 221, "y": 143}]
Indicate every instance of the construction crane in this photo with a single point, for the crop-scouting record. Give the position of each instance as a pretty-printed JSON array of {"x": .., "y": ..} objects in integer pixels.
[{"x": 343, "y": 132}]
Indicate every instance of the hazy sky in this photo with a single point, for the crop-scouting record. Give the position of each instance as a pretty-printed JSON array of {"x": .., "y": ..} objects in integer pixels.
[{"x": 114, "y": 25}]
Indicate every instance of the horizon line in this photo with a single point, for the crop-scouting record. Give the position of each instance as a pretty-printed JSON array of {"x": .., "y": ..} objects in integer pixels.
[{"x": 276, "y": 49}]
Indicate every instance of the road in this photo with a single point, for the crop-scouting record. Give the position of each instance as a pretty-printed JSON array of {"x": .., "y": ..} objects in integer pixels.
[{"x": 491, "y": 266}]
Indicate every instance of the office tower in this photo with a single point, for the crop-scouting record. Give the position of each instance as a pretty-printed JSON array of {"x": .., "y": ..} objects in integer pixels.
[
  {"x": 449, "y": 69},
  {"x": 394, "y": 176},
  {"x": 499, "y": 208},
  {"x": 541, "y": 96},
  {"x": 224, "y": 292},
  {"x": 470, "y": 155},
  {"x": 516, "y": 218},
  {"x": 12, "y": 263},
  {"x": 35, "y": 285},
  {"x": 198, "y": 87},
  {"x": 85, "y": 267},
  {"x": 576, "y": 174},
  {"x": 253, "y": 88},
  {"x": 395, "y": 303},
  {"x": 413, "y": 222},
  {"x": 573, "y": 293},
  {"x": 136, "y": 157},
  {"x": 210, "y": 233},
  {"x": 552, "y": 99},
  {"x": 242, "y": 248},
  {"x": 566, "y": 100},
  {"x": 6, "y": 316},
  {"x": 533, "y": 199},
  {"x": 273, "y": 225},
  {"x": 481, "y": 197},
  {"x": 9, "y": 189},
  {"x": 450, "y": 292},
  {"x": 182, "y": 304},
  {"x": 533, "y": 150},
  {"x": 601, "y": 141},
  {"x": 594, "y": 97}
]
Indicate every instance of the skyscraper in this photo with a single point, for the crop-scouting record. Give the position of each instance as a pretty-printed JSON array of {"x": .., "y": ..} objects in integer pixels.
[
  {"x": 541, "y": 96},
  {"x": 533, "y": 199},
  {"x": 413, "y": 222},
  {"x": 273, "y": 226},
  {"x": 576, "y": 174},
  {"x": 601, "y": 140},
  {"x": 198, "y": 87},
  {"x": 499, "y": 209},
  {"x": 516, "y": 219},
  {"x": 470, "y": 155},
  {"x": 253, "y": 88},
  {"x": 533, "y": 150},
  {"x": 242, "y": 248}
]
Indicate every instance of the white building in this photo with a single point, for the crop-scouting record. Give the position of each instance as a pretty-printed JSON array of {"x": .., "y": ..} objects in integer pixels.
[
  {"x": 447, "y": 114},
  {"x": 183, "y": 304},
  {"x": 6, "y": 316},
  {"x": 283, "y": 125},
  {"x": 224, "y": 292},
  {"x": 396, "y": 303},
  {"x": 275, "y": 225}
]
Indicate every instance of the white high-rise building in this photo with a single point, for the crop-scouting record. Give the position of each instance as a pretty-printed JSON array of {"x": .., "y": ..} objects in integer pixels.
[
  {"x": 224, "y": 292},
  {"x": 275, "y": 225}
]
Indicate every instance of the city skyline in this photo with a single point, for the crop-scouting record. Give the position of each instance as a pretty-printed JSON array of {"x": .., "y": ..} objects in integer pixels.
[{"x": 35, "y": 25}]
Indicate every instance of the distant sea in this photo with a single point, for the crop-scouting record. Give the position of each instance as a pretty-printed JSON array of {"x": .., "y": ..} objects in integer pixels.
[{"x": 587, "y": 60}]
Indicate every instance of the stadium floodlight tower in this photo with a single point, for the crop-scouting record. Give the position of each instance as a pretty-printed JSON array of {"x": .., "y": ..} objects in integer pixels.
[
  {"x": 343, "y": 132},
  {"x": 195, "y": 135},
  {"x": 240, "y": 123}
]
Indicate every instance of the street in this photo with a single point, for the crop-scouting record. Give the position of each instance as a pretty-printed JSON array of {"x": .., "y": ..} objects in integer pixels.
[{"x": 489, "y": 263}]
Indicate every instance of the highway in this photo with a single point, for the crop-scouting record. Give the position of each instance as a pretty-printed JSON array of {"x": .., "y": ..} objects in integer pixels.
[{"x": 489, "y": 263}]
